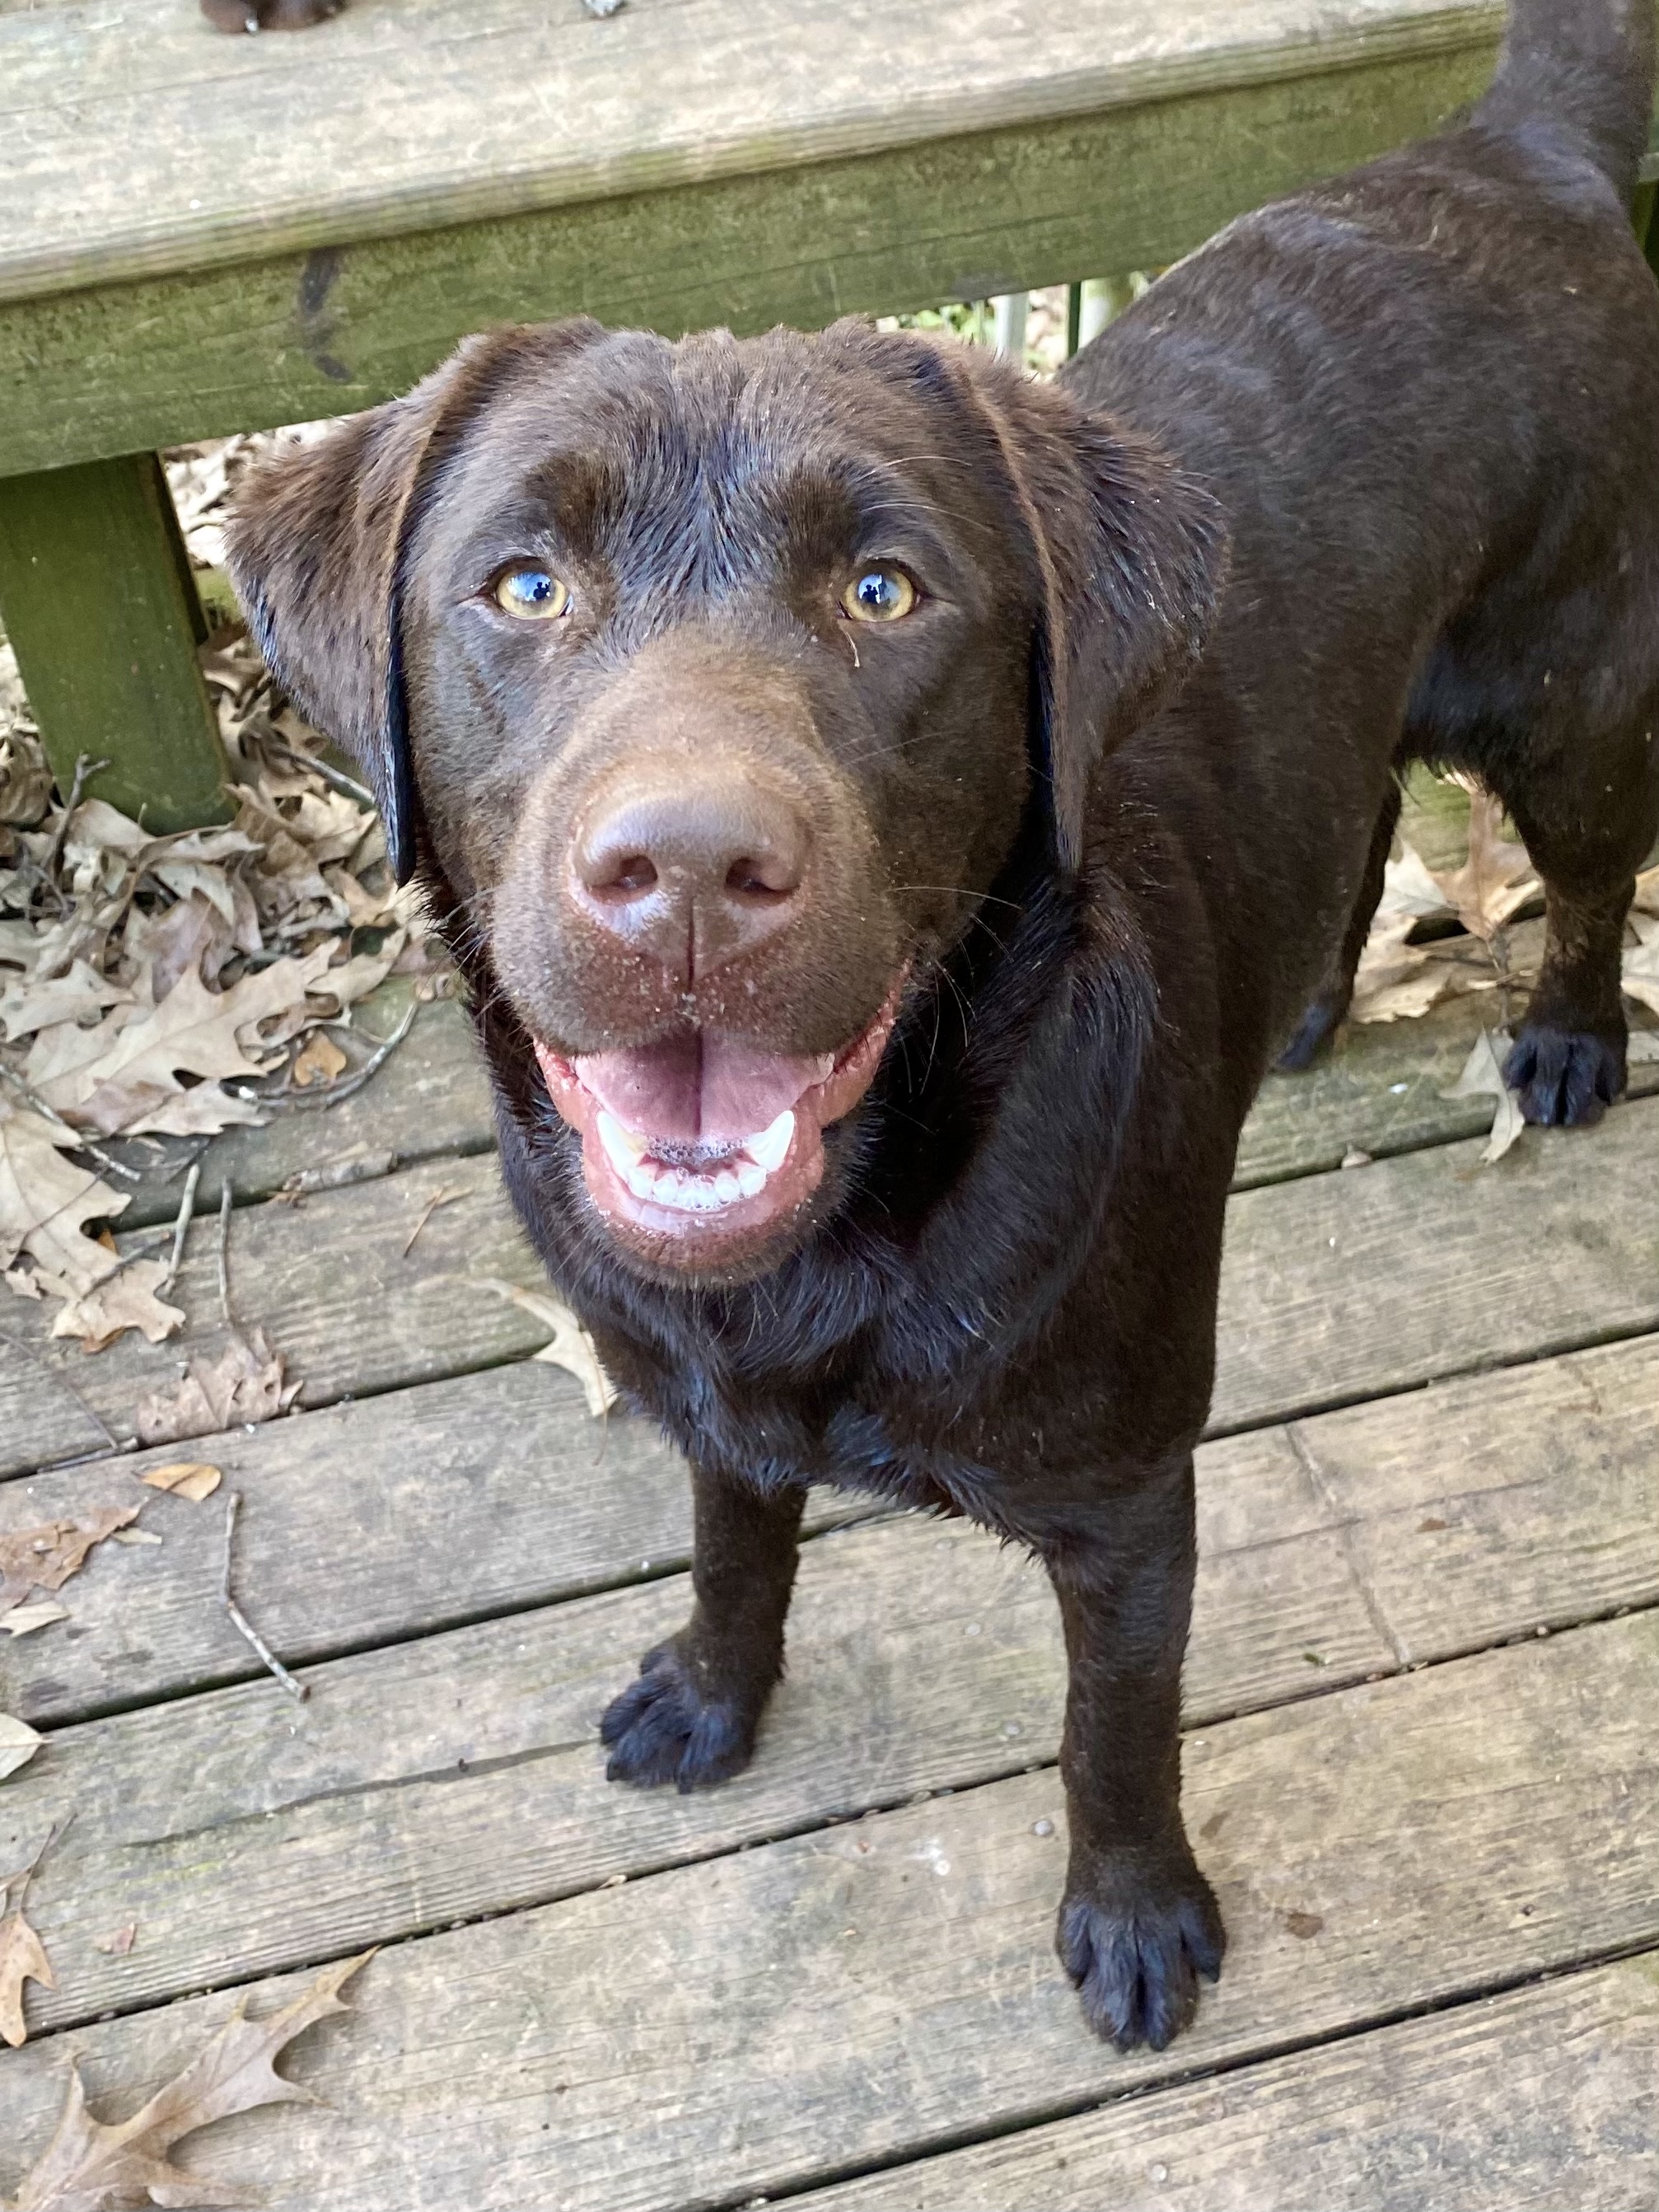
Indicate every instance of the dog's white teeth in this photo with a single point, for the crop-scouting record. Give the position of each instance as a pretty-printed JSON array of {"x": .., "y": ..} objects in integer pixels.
[
  {"x": 771, "y": 1148},
  {"x": 626, "y": 1149},
  {"x": 689, "y": 1190}
]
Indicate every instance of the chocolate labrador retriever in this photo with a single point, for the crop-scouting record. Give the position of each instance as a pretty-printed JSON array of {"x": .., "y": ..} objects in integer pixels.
[{"x": 880, "y": 902}]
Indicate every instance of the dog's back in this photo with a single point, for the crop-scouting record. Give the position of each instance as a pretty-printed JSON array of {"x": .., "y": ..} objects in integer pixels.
[{"x": 1428, "y": 395}]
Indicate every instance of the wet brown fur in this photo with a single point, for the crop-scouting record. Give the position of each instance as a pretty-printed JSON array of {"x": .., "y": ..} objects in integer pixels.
[{"x": 1422, "y": 406}]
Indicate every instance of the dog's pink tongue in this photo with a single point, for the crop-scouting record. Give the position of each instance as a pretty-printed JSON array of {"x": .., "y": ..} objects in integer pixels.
[{"x": 700, "y": 1086}]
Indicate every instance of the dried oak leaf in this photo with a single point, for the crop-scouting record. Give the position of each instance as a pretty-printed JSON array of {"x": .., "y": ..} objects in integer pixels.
[
  {"x": 1497, "y": 877},
  {"x": 1483, "y": 1077},
  {"x": 82, "y": 995},
  {"x": 192, "y": 935},
  {"x": 1641, "y": 971},
  {"x": 46, "y": 1556},
  {"x": 18, "y": 1744},
  {"x": 244, "y": 1383},
  {"x": 91, "y": 2167},
  {"x": 320, "y": 1060},
  {"x": 192, "y": 1032},
  {"x": 25, "y": 1620},
  {"x": 25, "y": 780},
  {"x": 186, "y": 1478},
  {"x": 22, "y": 1959},
  {"x": 46, "y": 1202},
  {"x": 572, "y": 1347},
  {"x": 127, "y": 1299}
]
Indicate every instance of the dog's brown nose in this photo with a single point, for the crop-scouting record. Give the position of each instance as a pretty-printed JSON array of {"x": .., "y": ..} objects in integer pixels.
[{"x": 690, "y": 867}]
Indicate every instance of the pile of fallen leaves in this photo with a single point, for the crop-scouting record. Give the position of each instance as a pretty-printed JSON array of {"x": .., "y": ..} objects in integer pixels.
[{"x": 171, "y": 986}]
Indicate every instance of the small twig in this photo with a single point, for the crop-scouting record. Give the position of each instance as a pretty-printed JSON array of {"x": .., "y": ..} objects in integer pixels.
[
  {"x": 438, "y": 1197},
  {"x": 85, "y": 1459},
  {"x": 181, "y": 1229},
  {"x": 299, "y": 1100},
  {"x": 24, "y": 1875},
  {"x": 224, "y": 1252},
  {"x": 238, "y": 1619},
  {"x": 335, "y": 778},
  {"x": 84, "y": 768}
]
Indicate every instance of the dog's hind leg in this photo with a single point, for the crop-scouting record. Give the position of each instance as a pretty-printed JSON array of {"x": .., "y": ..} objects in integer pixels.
[
  {"x": 1588, "y": 817},
  {"x": 691, "y": 1717},
  {"x": 1324, "y": 1015}
]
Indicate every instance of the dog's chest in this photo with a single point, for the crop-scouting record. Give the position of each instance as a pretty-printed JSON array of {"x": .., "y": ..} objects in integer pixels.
[{"x": 774, "y": 1440}]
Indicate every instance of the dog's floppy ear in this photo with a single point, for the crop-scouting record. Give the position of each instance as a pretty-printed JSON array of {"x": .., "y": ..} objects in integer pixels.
[
  {"x": 314, "y": 551},
  {"x": 1131, "y": 557}
]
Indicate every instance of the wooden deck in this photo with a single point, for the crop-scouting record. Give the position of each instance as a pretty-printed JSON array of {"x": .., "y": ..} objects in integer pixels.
[{"x": 1421, "y": 1767}]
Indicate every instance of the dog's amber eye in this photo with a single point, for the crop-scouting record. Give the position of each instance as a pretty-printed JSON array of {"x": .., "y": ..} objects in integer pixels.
[
  {"x": 533, "y": 593},
  {"x": 880, "y": 595}
]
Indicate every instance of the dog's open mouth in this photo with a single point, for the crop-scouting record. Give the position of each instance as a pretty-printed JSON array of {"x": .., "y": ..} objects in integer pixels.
[{"x": 701, "y": 1144}]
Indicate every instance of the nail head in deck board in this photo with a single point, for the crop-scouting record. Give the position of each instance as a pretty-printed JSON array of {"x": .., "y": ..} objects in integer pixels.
[
  {"x": 460, "y": 1775},
  {"x": 1543, "y": 2097},
  {"x": 1333, "y": 1287},
  {"x": 764, "y": 2019}
]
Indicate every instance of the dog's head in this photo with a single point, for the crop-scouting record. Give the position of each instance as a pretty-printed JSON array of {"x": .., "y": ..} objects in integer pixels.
[{"x": 716, "y": 680}]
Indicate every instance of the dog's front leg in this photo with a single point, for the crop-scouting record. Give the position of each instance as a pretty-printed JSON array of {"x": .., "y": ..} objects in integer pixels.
[
  {"x": 692, "y": 1715},
  {"x": 1138, "y": 1922}
]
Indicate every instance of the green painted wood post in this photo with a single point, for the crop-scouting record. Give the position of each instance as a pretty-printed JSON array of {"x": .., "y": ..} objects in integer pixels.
[
  {"x": 96, "y": 597},
  {"x": 1647, "y": 222}
]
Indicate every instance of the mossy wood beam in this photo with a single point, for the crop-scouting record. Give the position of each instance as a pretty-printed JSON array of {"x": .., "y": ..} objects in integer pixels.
[{"x": 96, "y": 596}]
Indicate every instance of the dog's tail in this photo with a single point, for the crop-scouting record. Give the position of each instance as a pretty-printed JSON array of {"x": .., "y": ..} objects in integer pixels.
[{"x": 1581, "y": 70}]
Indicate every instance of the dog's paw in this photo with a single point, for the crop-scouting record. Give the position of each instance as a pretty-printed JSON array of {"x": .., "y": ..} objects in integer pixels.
[
  {"x": 1135, "y": 1948},
  {"x": 1313, "y": 1033},
  {"x": 1566, "y": 1078},
  {"x": 665, "y": 1728}
]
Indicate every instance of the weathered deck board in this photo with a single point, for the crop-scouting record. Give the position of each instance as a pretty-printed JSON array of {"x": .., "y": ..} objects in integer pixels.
[
  {"x": 777, "y": 2015},
  {"x": 337, "y": 325},
  {"x": 468, "y": 109},
  {"x": 1334, "y": 1287},
  {"x": 361, "y": 1524},
  {"x": 329, "y": 1283},
  {"x": 1536, "y": 2099},
  {"x": 1380, "y": 1089},
  {"x": 428, "y": 1099},
  {"x": 494, "y": 1493},
  {"x": 1347, "y": 1286},
  {"x": 459, "y": 1774}
]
